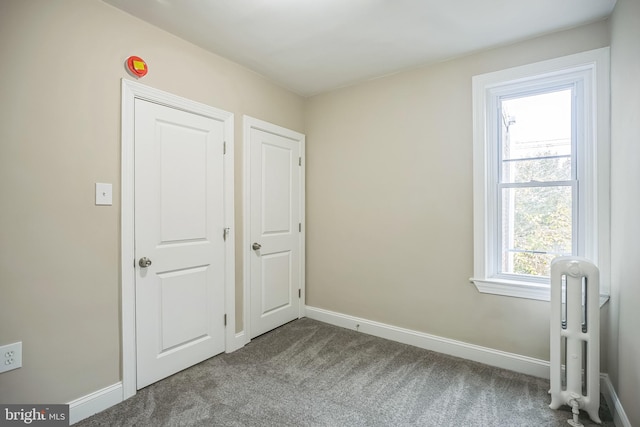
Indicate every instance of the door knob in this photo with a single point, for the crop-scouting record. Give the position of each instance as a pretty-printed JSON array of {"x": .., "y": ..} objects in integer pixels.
[
  {"x": 256, "y": 246},
  {"x": 144, "y": 262}
]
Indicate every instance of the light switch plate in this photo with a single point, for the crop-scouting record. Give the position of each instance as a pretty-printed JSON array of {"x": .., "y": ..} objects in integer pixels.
[{"x": 104, "y": 194}]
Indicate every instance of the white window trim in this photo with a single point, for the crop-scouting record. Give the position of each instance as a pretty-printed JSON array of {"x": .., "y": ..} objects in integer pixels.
[{"x": 594, "y": 65}]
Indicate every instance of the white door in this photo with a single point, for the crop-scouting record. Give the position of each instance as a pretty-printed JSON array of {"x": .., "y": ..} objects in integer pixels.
[
  {"x": 179, "y": 225},
  {"x": 275, "y": 211}
]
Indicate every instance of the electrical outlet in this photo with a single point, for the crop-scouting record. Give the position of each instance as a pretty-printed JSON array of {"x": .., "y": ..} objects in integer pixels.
[{"x": 10, "y": 357}]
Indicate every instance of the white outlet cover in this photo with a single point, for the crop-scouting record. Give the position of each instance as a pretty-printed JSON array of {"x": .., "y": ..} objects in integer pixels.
[
  {"x": 104, "y": 194},
  {"x": 11, "y": 357}
]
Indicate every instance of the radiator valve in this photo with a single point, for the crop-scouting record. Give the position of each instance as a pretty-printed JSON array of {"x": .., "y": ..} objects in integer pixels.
[{"x": 575, "y": 409}]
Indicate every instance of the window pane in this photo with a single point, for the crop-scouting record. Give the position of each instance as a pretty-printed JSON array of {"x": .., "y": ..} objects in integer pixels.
[
  {"x": 536, "y": 227},
  {"x": 532, "y": 264},
  {"x": 536, "y": 137},
  {"x": 539, "y": 169}
]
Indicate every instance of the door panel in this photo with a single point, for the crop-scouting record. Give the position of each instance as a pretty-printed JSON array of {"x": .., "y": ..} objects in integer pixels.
[
  {"x": 276, "y": 189},
  {"x": 179, "y": 289},
  {"x": 274, "y": 217},
  {"x": 179, "y": 218},
  {"x": 183, "y": 188},
  {"x": 276, "y": 282}
]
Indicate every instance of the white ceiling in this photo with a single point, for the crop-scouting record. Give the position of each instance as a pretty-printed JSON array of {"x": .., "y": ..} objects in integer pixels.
[{"x": 312, "y": 46}]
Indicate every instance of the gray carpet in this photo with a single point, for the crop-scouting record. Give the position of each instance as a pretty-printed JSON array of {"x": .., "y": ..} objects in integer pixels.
[{"x": 308, "y": 373}]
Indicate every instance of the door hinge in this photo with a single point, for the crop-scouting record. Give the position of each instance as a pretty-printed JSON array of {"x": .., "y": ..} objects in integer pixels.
[
  {"x": 225, "y": 233},
  {"x": 300, "y": 227},
  {"x": 299, "y": 293},
  {"x": 225, "y": 320},
  {"x": 299, "y": 161},
  {"x": 224, "y": 147}
]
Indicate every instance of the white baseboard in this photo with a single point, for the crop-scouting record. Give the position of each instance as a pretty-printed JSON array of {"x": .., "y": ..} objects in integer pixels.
[
  {"x": 95, "y": 402},
  {"x": 615, "y": 406},
  {"x": 502, "y": 359}
]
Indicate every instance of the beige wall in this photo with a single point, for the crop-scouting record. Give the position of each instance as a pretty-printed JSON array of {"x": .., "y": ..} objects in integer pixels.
[
  {"x": 624, "y": 345},
  {"x": 389, "y": 201},
  {"x": 389, "y": 180},
  {"x": 60, "y": 73}
]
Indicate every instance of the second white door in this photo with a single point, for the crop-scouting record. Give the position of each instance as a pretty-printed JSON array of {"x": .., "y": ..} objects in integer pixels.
[{"x": 276, "y": 253}]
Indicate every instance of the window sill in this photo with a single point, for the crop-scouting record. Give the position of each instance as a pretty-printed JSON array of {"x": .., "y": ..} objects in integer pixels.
[{"x": 513, "y": 288}]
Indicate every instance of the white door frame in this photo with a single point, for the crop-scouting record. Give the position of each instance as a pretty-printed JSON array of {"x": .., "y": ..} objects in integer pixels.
[
  {"x": 249, "y": 123},
  {"x": 130, "y": 92}
]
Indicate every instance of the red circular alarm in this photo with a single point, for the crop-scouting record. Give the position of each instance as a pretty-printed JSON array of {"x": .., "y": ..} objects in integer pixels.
[{"x": 137, "y": 66}]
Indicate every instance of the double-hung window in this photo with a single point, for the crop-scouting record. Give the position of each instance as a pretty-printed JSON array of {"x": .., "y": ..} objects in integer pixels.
[{"x": 541, "y": 167}]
